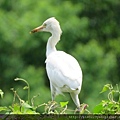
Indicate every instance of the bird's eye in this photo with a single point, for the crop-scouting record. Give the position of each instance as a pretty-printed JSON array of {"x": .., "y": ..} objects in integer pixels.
[{"x": 44, "y": 24}]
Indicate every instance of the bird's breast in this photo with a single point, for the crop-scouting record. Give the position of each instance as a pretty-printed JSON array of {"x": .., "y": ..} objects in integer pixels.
[{"x": 63, "y": 70}]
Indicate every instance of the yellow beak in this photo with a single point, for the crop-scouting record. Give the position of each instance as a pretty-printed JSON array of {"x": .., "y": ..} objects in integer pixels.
[{"x": 37, "y": 29}]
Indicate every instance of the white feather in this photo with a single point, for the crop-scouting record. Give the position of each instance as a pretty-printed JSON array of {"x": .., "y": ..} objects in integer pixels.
[{"x": 64, "y": 70}]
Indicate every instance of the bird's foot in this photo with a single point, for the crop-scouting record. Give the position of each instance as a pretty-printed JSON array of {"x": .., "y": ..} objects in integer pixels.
[
  {"x": 81, "y": 109},
  {"x": 52, "y": 106},
  {"x": 77, "y": 111}
]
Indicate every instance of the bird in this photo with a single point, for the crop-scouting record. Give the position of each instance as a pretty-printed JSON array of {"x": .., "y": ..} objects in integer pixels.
[{"x": 63, "y": 70}]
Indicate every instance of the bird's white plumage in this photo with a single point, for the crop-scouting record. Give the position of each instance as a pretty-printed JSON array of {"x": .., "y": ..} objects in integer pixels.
[{"x": 63, "y": 70}]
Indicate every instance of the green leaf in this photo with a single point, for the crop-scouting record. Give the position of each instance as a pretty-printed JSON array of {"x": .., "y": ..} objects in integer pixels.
[
  {"x": 113, "y": 92},
  {"x": 15, "y": 107},
  {"x": 3, "y": 108},
  {"x": 98, "y": 108},
  {"x": 62, "y": 104},
  {"x": 1, "y": 93},
  {"x": 105, "y": 88},
  {"x": 26, "y": 87},
  {"x": 25, "y": 105}
]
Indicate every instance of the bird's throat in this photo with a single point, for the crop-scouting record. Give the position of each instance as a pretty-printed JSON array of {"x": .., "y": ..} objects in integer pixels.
[{"x": 51, "y": 44}]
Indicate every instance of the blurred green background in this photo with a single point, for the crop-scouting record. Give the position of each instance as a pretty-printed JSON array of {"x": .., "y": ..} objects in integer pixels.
[{"x": 91, "y": 33}]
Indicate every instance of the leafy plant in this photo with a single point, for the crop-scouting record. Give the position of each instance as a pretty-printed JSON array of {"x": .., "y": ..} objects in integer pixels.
[
  {"x": 20, "y": 106},
  {"x": 111, "y": 105}
]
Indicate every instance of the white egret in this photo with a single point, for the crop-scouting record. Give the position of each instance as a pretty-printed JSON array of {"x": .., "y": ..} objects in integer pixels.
[{"x": 63, "y": 70}]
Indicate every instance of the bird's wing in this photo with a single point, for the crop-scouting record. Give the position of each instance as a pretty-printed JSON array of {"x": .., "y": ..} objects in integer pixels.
[{"x": 63, "y": 69}]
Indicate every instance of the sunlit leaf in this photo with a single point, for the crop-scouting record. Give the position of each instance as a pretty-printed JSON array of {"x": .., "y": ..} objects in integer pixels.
[
  {"x": 26, "y": 87},
  {"x": 3, "y": 108},
  {"x": 15, "y": 107},
  {"x": 1, "y": 93},
  {"x": 26, "y": 105},
  {"x": 62, "y": 104},
  {"x": 105, "y": 88}
]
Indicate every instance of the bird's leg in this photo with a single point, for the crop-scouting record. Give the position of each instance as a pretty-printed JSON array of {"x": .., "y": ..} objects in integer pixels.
[
  {"x": 76, "y": 100},
  {"x": 53, "y": 93}
]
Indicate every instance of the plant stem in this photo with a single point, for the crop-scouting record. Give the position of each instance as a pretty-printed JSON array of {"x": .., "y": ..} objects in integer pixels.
[{"x": 20, "y": 79}]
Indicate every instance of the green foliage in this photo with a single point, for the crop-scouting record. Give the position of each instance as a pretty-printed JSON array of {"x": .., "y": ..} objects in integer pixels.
[
  {"x": 90, "y": 33},
  {"x": 20, "y": 106},
  {"x": 109, "y": 106},
  {"x": 62, "y": 104}
]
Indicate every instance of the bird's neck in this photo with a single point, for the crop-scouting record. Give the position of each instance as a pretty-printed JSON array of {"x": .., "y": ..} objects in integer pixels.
[{"x": 52, "y": 41}]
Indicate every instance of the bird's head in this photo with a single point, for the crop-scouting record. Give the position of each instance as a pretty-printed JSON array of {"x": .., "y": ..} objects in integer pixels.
[{"x": 50, "y": 25}]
